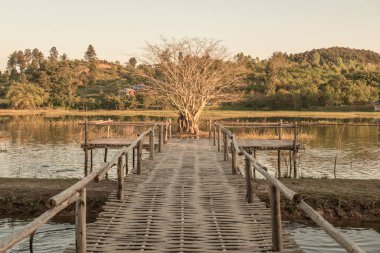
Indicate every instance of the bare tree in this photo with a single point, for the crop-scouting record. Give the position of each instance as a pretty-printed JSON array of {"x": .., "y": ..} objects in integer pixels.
[{"x": 190, "y": 74}]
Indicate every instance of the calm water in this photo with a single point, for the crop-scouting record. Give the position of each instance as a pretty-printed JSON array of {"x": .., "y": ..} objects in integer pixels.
[
  {"x": 36, "y": 146},
  {"x": 310, "y": 239}
]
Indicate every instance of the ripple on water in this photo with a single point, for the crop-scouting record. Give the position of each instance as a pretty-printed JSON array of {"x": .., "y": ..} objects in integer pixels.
[{"x": 314, "y": 239}]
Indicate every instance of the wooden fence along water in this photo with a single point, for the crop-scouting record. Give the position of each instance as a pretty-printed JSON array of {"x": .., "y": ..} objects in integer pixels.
[{"x": 187, "y": 200}]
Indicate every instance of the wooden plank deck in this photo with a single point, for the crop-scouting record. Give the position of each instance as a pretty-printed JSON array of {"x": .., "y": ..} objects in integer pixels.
[
  {"x": 267, "y": 144},
  {"x": 187, "y": 200}
]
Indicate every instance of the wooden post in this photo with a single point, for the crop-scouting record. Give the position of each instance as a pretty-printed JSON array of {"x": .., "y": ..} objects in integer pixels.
[
  {"x": 290, "y": 163},
  {"x": 120, "y": 179},
  {"x": 151, "y": 145},
  {"x": 170, "y": 129},
  {"x": 85, "y": 148},
  {"x": 166, "y": 133},
  {"x": 91, "y": 160},
  {"x": 209, "y": 129},
  {"x": 275, "y": 207},
  {"x": 133, "y": 157},
  {"x": 80, "y": 222},
  {"x": 219, "y": 138},
  {"x": 254, "y": 170},
  {"x": 214, "y": 134},
  {"x": 233, "y": 154},
  {"x": 248, "y": 178},
  {"x": 225, "y": 146},
  {"x": 279, "y": 151},
  {"x": 295, "y": 151},
  {"x": 126, "y": 164},
  {"x": 139, "y": 157},
  {"x": 159, "y": 138},
  {"x": 105, "y": 159}
]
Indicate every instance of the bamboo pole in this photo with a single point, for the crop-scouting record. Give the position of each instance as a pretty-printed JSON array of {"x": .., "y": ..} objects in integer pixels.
[
  {"x": 105, "y": 159},
  {"x": 85, "y": 148},
  {"x": 225, "y": 147},
  {"x": 120, "y": 179},
  {"x": 214, "y": 128},
  {"x": 209, "y": 129},
  {"x": 151, "y": 145},
  {"x": 233, "y": 157},
  {"x": 80, "y": 222},
  {"x": 170, "y": 129},
  {"x": 275, "y": 207},
  {"x": 159, "y": 138},
  {"x": 219, "y": 138},
  {"x": 248, "y": 178},
  {"x": 139, "y": 158}
]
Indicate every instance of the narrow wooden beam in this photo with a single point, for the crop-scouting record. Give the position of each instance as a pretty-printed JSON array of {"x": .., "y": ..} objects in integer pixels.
[
  {"x": 159, "y": 138},
  {"x": 234, "y": 162},
  {"x": 225, "y": 144},
  {"x": 209, "y": 129},
  {"x": 214, "y": 134},
  {"x": 105, "y": 159},
  {"x": 91, "y": 159},
  {"x": 120, "y": 178},
  {"x": 295, "y": 150},
  {"x": 126, "y": 164},
  {"x": 139, "y": 158},
  {"x": 279, "y": 151},
  {"x": 275, "y": 207},
  {"x": 151, "y": 145},
  {"x": 219, "y": 138},
  {"x": 248, "y": 178},
  {"x": 80, "y": 222},
  {"x": 133, "y": 157},
  {"x": 85, "y": 148},
  {"x": 170, "y": 129}
]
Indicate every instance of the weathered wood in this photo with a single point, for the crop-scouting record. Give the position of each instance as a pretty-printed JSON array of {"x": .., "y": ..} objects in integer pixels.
[
  {"x": 248, "y": 178},
  {"x": 166, "y": 133},
  {"x": 85, "y": 148},
  {"x": 11, "y": 240},
  {"x": 80, "y": 222},
  {"x": 214, "y": 130},
  {"x": 219, "y": 138},
  {"x": 133, "y": 157},
  {"x": 151, "y": 145},
  {"x": 91, "y": 159},
  {"x": 225, "y": 144},
  {"x": 275, "y": 206},
  {"x": 233, "y": 158},
  {"x": 279, "y": 151},
  {"x": 105, "y": 159},
  {"x": 209, "y": 129},
  {"x": 170, "y": 129},
  {"x": 159, "y": 138},
  {"x": 120, "y": 179},
  {"x": 126, "y": 164},
  {"x": 139, "y": 158}
]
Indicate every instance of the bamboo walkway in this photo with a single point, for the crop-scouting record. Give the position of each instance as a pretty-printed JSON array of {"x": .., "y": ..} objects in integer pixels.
[{"x": 187, "y": 200}]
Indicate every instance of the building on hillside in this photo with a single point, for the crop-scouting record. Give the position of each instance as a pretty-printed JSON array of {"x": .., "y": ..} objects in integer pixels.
[
  {"x": 140, "y": 87},
  {"x": 376, "y": 105},
  {"x": 127, "y": 92}
]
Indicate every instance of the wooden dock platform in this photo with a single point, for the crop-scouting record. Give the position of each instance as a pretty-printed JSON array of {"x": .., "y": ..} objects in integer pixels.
[
  {"x": 268, "y": 144},
  {"x": 114, "y": 143},
  {"x": 186, "y": 200}
]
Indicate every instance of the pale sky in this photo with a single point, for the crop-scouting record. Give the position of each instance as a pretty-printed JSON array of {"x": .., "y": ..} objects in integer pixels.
[{"x": 118, "y": 29}]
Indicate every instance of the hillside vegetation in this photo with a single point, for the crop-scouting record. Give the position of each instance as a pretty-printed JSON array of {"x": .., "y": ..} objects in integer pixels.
[{"x": 334, "y": 77}]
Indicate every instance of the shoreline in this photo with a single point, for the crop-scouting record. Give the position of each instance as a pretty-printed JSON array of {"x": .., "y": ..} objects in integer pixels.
[
  {"x": 343, "y": 202},
  {"x": 207, "y": 114}
]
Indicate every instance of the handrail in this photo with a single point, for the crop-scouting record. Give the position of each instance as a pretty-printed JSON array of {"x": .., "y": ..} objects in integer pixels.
[
  {"x": 77, "y": 193},
  {"x": 276, "y": 186}
]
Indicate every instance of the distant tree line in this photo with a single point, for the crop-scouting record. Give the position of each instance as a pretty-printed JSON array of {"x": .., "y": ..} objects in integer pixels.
[{"x": 318, "y": 78}]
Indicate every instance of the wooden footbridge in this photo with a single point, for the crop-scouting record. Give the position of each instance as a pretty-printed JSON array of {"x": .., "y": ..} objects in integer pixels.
[{"x": 186, "y": 198}]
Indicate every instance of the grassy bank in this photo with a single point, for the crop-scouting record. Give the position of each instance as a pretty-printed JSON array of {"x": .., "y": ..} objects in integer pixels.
[
  {"x": 207, "y": 114},
  {"x": 341, "y": 201}
]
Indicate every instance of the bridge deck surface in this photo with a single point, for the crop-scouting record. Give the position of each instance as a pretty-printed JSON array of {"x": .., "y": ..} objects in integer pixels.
[{"x": 185, "y": 201}]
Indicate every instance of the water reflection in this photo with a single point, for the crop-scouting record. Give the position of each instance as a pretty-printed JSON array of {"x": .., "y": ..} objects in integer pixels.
[
  {"x": 51, "y": 237},
  {"x": 49, "y": 147},
  {"x": 314, "y": 239}
]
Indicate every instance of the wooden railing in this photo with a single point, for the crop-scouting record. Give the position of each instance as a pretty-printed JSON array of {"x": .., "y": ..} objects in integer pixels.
[
  {"x": 77, "y": 193},
  {"x": 275, "y": 188}
]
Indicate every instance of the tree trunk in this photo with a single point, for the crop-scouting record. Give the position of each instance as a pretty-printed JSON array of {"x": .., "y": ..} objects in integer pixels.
[{"x": 187, "y": 123}]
